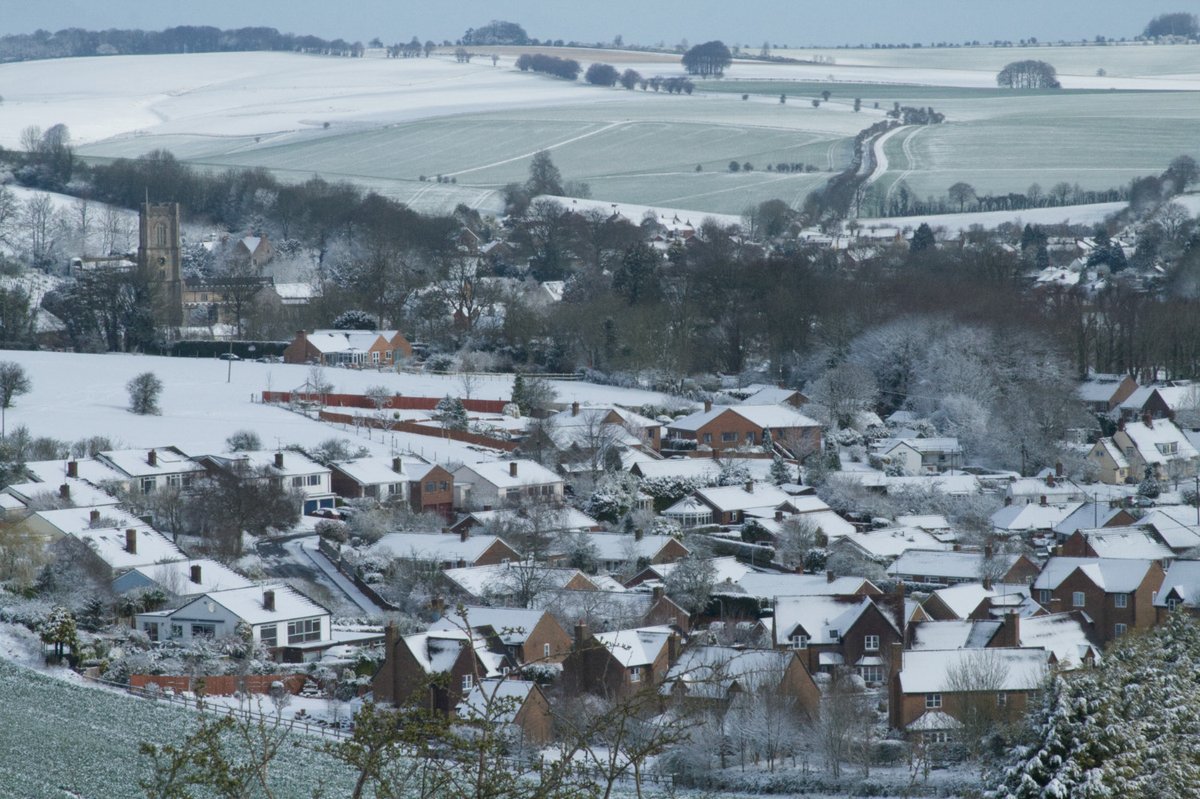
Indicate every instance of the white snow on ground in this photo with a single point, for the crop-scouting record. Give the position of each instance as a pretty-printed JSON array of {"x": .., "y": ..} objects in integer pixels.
[
  {"x": 952, "y": 223},
  {"x": 77, "y": 395},
  {"x": 635, "y": 212}
]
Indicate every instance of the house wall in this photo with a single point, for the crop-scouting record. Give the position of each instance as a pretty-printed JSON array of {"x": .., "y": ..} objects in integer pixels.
[
  {"x": 745, "y": 432},
  {"x": 1139, "y": 613},
  {"x": 497, "y": 553},
  {"x": 798, "y": 683},
  {"x": 1023, "y": 572},
  {"x": 912, "y": 706},
  {"x": 534, "y": 717},
  {"x": 546, "y": 631},
  {"x": 439, "y": 500}
]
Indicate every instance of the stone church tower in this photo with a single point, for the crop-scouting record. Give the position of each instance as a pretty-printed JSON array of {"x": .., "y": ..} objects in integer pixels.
[{"x": 160, "y": 258}]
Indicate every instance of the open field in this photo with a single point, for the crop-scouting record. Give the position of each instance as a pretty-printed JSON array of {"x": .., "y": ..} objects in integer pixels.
[{"x": 383, "y": 123}]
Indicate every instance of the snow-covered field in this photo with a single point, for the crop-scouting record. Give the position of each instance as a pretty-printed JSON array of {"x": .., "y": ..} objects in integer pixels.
[
  {"x": 77, "y": 395},
  {"x": 952, "y": 223}
]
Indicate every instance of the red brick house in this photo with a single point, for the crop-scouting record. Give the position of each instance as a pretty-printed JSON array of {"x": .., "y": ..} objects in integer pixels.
[
  {"x": 714, "y": 676},
  {"x": 1117, "y": 595},
  {"x": 831, "y": 632},
  {"x": 431, "y": 489},
  {"x": 434, "y": 669},
  {"x": 526, "y": 636},
  {"x": 361, "y": 348},
  {"x": 619, "y": 663},
  {"x": 745, "y": 426}
]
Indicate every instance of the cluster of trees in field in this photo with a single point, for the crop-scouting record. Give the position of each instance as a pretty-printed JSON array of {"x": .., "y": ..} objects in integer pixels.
[
  {"x": 566, "y": 68},
  {"x": 410, "y": 49},
  {"x": 496, "y": 32},
  {"x": 1179, "y": 24},
  {"x": 181, "y": 39},
  {"x": 707, "y": 60},
  {"x": 1028, "y": 74}
]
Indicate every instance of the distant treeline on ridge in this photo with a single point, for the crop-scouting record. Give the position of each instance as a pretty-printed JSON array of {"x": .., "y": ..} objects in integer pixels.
[{"x": 180, "y": 39}]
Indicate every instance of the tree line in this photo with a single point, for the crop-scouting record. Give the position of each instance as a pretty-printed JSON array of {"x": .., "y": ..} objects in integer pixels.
[{"x": 179, "y": 39}]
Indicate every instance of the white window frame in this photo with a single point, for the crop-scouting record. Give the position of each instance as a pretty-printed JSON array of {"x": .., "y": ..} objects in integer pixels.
[
  {"x": 871, "y": 643},
  {"x": 1120, "y": 629},
  {"x": 545, "y": 650},
  {"x": 468, "y": 682},
  {"x": 799, "y": 642},
  {"x": 635, "y": 674},
  {"x": 1120, "y": 600},
  {"x": 933, "y": 701},
  {"x": 1078, "y": 599}
]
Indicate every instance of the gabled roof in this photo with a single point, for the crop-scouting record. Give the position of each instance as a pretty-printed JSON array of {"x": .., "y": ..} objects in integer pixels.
[
  {"x": 1061, "y": 633},
  {"x": 1111, "y": 575},
  {"x": 247, "y": 604},
  {"x": 1126, "y": 542},
  {"x": 763, "y": 417},
  {"x": 565, "y": 519},
  {"x": 1088, "y": 515},
  {"x": 924, "y": 446},
  {"x": 176, "y": 576},
  {"x": 328, "y": 342},
  {"x": 499, "y": 473},
  {"x": 503, "y": 578},
  {"x": 711, "y": 671},
  {"x": 371, "y": 471},
  {"x": 962, "y": 599},
  {"x": 1177, "y": 525},
  {"x": 1182, "y": 582},
  {"x": 818, "y": 616},
  {"x": 1113, "y": 452},
  {"x": 1161, "y": 433},
  {"x": 1033, "y": 516},
  {"x": 513, "y": 625},
  {"x": 768, "y": 585},
  {"x": 620, "y": 546},
  {"x": 954, "y": 565},
  {"x": 639, "y": 647},
  {"x": 73, "y": 521},
  {"x": 602, "y": 610},
  {"x": 136, "y": 462},
  {"x": 931, "y": 671},
  {"x": 437, "y": 652},
  {"x": 890, "y": 543},
  {"x": 771, "y": 395},
  {"x": 724, "y": 568},
  {"x": 964, "y": 634},
  {"x": 432, "y": 546},
  {"x": 735, "y": 498},
  {"x": 495, "y": 699},
  {"x": 934, "y": 721}
]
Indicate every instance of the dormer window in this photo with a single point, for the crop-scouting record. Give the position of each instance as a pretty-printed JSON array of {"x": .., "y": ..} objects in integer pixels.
[
  {"x": 799, "y": 642},
  {"x": 835, "y": 636}
]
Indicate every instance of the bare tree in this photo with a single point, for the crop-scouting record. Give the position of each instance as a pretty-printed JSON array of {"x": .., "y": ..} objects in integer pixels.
[{"x": 975, "y": 697}]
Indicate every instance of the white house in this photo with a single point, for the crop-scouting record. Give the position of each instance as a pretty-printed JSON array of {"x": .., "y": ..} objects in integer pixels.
[
  {"x": 494, "y": 484},
  {"x": 280, "y": 617},
  {"x": 148, "y": 469},
  {"x": 294, "y": 471}
]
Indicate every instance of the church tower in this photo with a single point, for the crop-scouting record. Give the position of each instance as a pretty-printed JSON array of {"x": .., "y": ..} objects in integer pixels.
[{"x": 160, "y": 258}]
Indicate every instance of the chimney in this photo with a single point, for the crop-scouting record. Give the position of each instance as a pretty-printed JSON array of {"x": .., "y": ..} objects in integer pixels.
[
  {"x": 1058, "y": 469},
  {"x": 582, "y": 634},
  {"x": 1121, "y": 425},
  {"x": 637, "y": 534},
  {"x": 278, "y": 460},
  {"x": 64, "y": 491},
  {"x": 956, "y": 547},
  {"x": 396, "y": 465},
  {"x": 656, "y": 593},
  {"x": 1011, "y": 635},
  {"x": 269, "y": 600},
  {"x": 829, "y": 576},
  {"x": 464, "y": 533},
  {"x": 1007, "y": 501},
  {"x": 152, "y": 458},
  {"x": 895, "y": 665},
  {"x": 1147, "y": 420},
  {"x": 898, "y": 602},
  {"x": 574, "y": 408},
  {"x": 196, "y": 573},
  {"x": 707, "y": 406},
  {"x": 1050, "y": 480},
  {"x": 987, "y": 583},
  {"x": 749, "y": 486},
  {"x": 438, "y": 606},
  {"x": 72, "y": 468},
  {"x": 131, "y": 541},
  {"x": 512, "y": 469},
  {"x": 94, "y": 516},
  {"x": 1042, "y": 500},
  {"x": 673, "y": 647},
  {"x": 778, "y": 515},
  {"x": 988, "y": 551}
]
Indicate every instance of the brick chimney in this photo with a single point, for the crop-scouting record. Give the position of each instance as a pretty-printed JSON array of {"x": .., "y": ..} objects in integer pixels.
[
  {"x": 582, "y": 633},
  {"x": 1058, "y": 469},
  {"x": 93, "y": 516},
  {"x": 64, "y": 491},
  {"x": 1042, "y": 500},
  {"x": 1050, "y": 480},
  {"x": 464, "y": 533},
  {"x": 152, "y": 458},
  {"x": 574, "y": 408},
  {"x": 196, "y": 573},
  {"x": 637, "y": 534},
  {"x": 1147, "y": 420},
  {"x": 72, "y": 468},
  {"x": 657, "y": 593},
  {"x": 898, "y": 608},
  {"x": 1010, "y": 630},
  {"x": 512, "y": 469},
  {"x": 895, "y": 665},
  {"x": 438, "y": 606},
  {"x": 674, "y": 646},
  {"x": 778, "y": 515},
  {"x": 391, "y": 637},
  {"x": 830, "y": 576},
  {"x": 749, "y": 486},
  {"x": 707, "y": 406},
  {"x": 269, "y": 600},
  {"x": 397, "y": 466},
  {"x": 278, "y": 460},
  {"x": 131, "y": 541},
  {"x": 1007, "y": 501},
  {"x": 1121, "y": 425},
  {"x": 987, "y": 583}
]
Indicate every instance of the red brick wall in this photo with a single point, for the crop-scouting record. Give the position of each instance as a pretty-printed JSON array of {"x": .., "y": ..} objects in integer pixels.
[
  {"x": 219, "y": 685},
  {"x": 419, "y": 429}
]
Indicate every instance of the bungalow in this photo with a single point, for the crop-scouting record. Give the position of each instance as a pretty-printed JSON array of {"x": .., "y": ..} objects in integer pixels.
[
  {"x": 732, "y": 504},
  {"x": 447, "y": 551},
  {"x": 1049, "y": 490},
  {"x": 716, "y": 675},
  {"x": 619, "y": 663},
  {"x": 1117, "y": 595},
  {"x": 738, "y": 426},
  {"x": 292, "y": 470},
  {"x": 106, "y": 540},
  {"x": 548, "y": 520},
  {"x": 937, "y": 681},
  {"x": 348, "y": 348},
  {"x": 435, "y": 669},
  {"x": 146, "y": 470},
  {"x": 494, "y": 484},
  {"x": 922, "y": 455},
  {"x": 1176, "y": 525},
  {"x": 884, "y": 546},
  {"x": 1101, "y": 393},
  {"x": 514, "y": 583},
  {"x": 180, "y": 578},
  {"x": 526, "y": 636},
  {"x": 381, "y": 479},
  {"x": 947, "y": 568},
  {"x": 614, "y": 551},
  {"x": 773, "y": 395},
  {"x": 587, "y": 427},
  {"x": 292, "y": 626},
  {"x": 606, "y": 610}
]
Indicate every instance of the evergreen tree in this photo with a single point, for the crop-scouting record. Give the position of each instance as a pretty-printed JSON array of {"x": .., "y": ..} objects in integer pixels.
[
  {"x": 922, "y": 239},
  {"x": 780, "y": 473},
  {"x": 451, "y": 413}
]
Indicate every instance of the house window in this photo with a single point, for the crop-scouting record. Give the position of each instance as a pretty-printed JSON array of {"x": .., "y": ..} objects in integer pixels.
[
  {"x": 938, "y": 737},
  {"x": 635, "y": 674},
  {"x": 799, "y": 642},
  {"x": 1172, "y": 603},
  {"x": 1121, "y": 600},
  {"x": 933, "y": 701},
  {"x": 176, "y": 630},
  {"x": 512, "y": 494},
  {"x": 468, "y": 682},
  {"x": 1044, "y": 596},
  {"x": 150, "y": 628},
  {"x": 835, "y": 636},
  {"x": 708, "y": 438},
  {"x": 174, "y": 481},
  {"x": 871, "y": 674},
  {"x": 1078, "y": 600},
  {"x": 269, "y": 635},
  {"x": 443, "y": 486},
  {"x": 304, "y": 630},
  {"x": 204, "y": 630},
  {"x": 1002, "y": 700},
  {"x": 730, "y": 437},
  {"x": 314, "y": 479},
  {"x": 871, "y": 643},
  {"x": 545, "y": 650},
  {"x": 1119, "y": 629},
  {"x": 430, "y": 487},
  {"x": 298, "y": 482},
  {"x": 147, "y": 485},
  {"x": 750, "y": 438}
]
